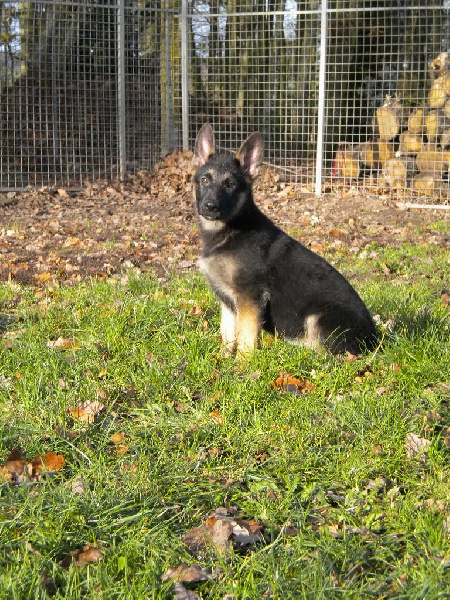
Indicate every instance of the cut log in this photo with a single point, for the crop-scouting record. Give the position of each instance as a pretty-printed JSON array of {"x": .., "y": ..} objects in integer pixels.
[
  {"x": 415, "y": 120},
  {"x": 447, "y": 109},
  {"x": 437, "y": 95},
  {"x": 445, "y": 139},
  {"x": 446, "y": 82},
  {"x": 385, "y": 150},
  {"x": 439, "y": 65},
  {"x": 435, "y": 123},
  {"x": 374, "y": 153},
  {"x": 426, "y": 184},
  {"x": 410, "y": 143},
  {"x": 396, "y": 172},
  {"x": 369, "y": 154},
  {"x": 432, "y": 160},
  {"x": 391, "y": 118},
  {"x": 347, "y": 164}
]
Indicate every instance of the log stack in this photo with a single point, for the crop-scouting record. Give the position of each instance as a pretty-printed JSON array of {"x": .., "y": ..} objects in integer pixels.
[{"x": 410, "y": 148}]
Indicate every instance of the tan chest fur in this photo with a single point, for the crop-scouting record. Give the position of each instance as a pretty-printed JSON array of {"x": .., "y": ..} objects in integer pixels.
[{"x": 221, "y": 271}]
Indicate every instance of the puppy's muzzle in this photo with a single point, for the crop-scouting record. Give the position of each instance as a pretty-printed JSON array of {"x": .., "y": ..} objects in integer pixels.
[{"x": 210, "y": 209}]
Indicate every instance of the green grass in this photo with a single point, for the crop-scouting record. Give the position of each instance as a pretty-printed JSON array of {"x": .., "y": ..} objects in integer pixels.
[{"x": 346, "y": 512}]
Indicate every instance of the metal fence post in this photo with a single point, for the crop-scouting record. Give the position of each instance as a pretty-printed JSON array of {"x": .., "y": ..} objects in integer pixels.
[
  {"x": 184, "y": 75},
  {"x": 121, "y": 88},
  {"x": 321, "y": 105},
  {"x": 166, "y": 84}
]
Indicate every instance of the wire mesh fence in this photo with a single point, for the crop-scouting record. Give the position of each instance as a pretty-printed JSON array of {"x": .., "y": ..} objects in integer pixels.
[
  {"x": 60, "y": 88},
  {"x": 352, "y": 93},
  {"x": 313, "y": 77}
]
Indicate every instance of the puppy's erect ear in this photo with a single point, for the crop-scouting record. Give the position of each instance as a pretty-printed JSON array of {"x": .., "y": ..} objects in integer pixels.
[
  {"x": 250, "y": 154},
  {"x": 205, "y": 145}
]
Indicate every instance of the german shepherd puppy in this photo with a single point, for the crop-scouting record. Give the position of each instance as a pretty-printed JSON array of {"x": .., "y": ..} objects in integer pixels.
[{"x": 263, "y": 278}]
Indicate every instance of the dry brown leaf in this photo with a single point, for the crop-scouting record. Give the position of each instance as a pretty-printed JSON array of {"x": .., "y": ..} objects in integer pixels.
[
  {"x": 416, "y": 446},
  {"x": 5, "y": 475},
  {"x": 219, "y": 533},
  {"x": 78, "y": 486},
  {"x": 49, "y": 462},
  {"x": 63, "y": 343},
  {"x": 182, "y": 593},
  {"x": 217, "y": 417},
  {"x": 86, "y": 411},
  {"x": 293, "y": 385},
  {"x": 43, "y": 277},
  {"x": 244, "y": 537},
  {"x": 82, "y": 556},
  {"x": 53, "y": 462},
  {"x": 15, "y": 463},
  {"x": 118, "y": 438},
  {"x": 445, "y": 300},
  {"x": 89, "y": 554},
  {"x": 187, "y": 574},
  {"x": 222, "y": 532}
]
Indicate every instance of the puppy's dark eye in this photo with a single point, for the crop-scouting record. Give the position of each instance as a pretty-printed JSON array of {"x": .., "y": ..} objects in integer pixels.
[
  {"x": 204, "y": 181},
  {"x": 230, "y": 184}
]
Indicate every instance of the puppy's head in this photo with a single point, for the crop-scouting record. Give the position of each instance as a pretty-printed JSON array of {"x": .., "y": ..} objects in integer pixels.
[{"x": 222, "y": 182}]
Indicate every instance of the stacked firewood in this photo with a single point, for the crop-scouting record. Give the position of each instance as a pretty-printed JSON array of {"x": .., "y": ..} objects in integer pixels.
[{"x": 410, "y": 147}]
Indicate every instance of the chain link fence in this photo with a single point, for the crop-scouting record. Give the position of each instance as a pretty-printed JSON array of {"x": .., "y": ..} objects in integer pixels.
[{"x": 344, "y": 92}]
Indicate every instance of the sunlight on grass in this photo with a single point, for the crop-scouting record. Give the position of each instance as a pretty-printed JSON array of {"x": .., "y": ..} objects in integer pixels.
[{"x": 126, "y": 381}]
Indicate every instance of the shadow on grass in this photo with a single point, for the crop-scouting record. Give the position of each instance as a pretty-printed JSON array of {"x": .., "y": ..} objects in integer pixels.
[
  {"x": 423, "y": 324},
  {"x": 5, "y": 322}
]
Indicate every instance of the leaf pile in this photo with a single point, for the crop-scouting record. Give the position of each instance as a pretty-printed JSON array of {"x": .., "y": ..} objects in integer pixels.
[
  {"x": 18, "y": 470},
  {"x": 49, "y": 236}
]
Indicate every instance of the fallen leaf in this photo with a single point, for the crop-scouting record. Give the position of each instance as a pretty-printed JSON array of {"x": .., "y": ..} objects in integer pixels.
[
  {"x": 187, "y": 574},
  {"x": 246, "y": 534},
  {"x": 53, "y": 462},
  {"x": 118, "y": 438},
  {"x": 78, "y": 486},
  {"x": 43, "y": 277},
  {"x": 89, "y": 554},
  {"x": 15, "y": 463},
  {"x": 63, "y": 343},
  {"x": 181, "y": 593},
  {"x": 217, "y": 417},
  {"x": 416, "y": 446},
  {"x": 445, "y": 300},
  {"x": 82, "y": 556},
  {"x": 294, "y": 385},
  {"x": 212, "y": 532},
  {"x": 49, "y": 462},
  {"x": 86, "y": 411},
  {"x": 377, "y": 449},
  {"x": 222, "y": 532}
]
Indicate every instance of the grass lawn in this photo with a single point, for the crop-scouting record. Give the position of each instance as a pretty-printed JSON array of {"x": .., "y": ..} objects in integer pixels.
[{"x": 125, "y": 428}]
